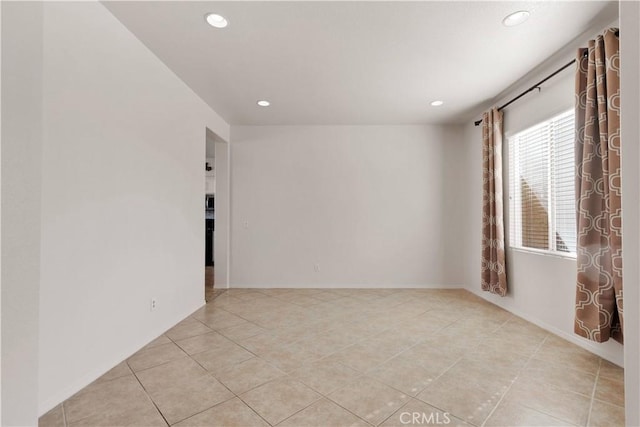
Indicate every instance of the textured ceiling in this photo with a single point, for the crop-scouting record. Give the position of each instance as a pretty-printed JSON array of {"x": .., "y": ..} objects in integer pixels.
[{"x": 353, "y": 62}]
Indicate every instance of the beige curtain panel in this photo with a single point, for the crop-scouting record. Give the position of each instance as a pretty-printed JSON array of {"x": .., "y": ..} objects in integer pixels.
[
  {"x": 494, "y": 274},
  {"x": 599, "y": 309}
]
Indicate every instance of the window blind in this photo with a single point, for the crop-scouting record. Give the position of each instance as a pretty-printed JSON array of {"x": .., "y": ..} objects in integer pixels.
[{"x": 541, "y": 186}]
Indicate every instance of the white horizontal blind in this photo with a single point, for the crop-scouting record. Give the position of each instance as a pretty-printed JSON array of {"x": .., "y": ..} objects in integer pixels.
[{"x": 541, "y": 186}]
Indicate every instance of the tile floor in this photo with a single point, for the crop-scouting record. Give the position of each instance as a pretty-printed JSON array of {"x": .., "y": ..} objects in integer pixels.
[{"x": 351, "y": 357}]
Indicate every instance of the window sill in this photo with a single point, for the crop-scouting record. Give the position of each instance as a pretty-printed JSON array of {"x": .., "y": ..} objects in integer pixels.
[{"x": 543, "y": 253}]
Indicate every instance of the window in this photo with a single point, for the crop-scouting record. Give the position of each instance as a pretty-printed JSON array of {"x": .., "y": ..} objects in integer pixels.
[{"x": 541, "y": 187}]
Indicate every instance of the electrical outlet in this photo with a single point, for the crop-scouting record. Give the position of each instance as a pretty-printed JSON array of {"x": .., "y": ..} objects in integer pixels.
[
  {"x": 154, "y": 304},
  {"x": 316, "y": 267}
]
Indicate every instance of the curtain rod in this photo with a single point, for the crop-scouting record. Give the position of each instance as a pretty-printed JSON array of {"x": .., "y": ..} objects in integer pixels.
[{"x": 535, "y": 86}]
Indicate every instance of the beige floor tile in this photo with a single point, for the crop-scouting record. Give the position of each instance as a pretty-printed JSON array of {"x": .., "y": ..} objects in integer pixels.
[
  {"x": 559, "y": 351},
  {"x": 457, "y": 338},
  {"x": 262, "y": 343},
  {"x": 450, "y": 315},
  {"x": 611, "y": 371},
  {"x": 369, "y": 399},
  {"x": 417, "y": 413},
  {"x": 364, "y": 356},
  {"x": 325, "y": 343},
  {"x": 223, "y": 301},
  {"x": 154, "y": 356},
  {"x": 423, "y": 325},
  {"x": 182, "y": 388},
  {"x": 501, "y": 359},
  {"x": 219, "y": 319},
  {"x": 202, "y": 342},
  {"x": 606, "y": 415},
  {"x": 53, "y": 418},
  {"x": 282, "y": 318},
  {"x": 481, "y": 374},
  {"x": 182, "y": 401},
  {"x": 296, "y": 292},
  {"x": 222, "y": 357},
  {"x": 396, "y": 340},
  {"x": 325, "y": 376},
  {"x": 279, "y": 399},
  {"x": 455, "y": 396},
  {"x": 434, "y": 355},
  {"x": 367, "y": 350},
  {"x": 295, "y": 331},
  {"x": 518, "y": 326},
  {"x": 242, "y": 331},
  {"x": 147, "y": 418},
  {"x": 189, "y": 327},
  {"x": 254, "y": 310},
  {"x": 471, "y": 331},
  {"x": 248, "y": 374},
  {"x": 405, "y": 375},
  {"x": 304, "y": 301},
  {"x": 365, "y": 328},
  {"x": 514, "y": 342},
  {"x": 515, "y": 415},
  {"x": 249, "y": 295},
  {"x": 232, "y": 413},
  {"x": 562, "y": 404},
  {"x": 560, "y": 376},
  {"x": 327, "y": 296},
  {"x": 610, "y": 391},
  {"x": 121, "y": 401},
  {"x": 413, "y": 307},
  {"x": 323, "y": 413},
  {"x": 162, "y": 339},
  {"x": 289, "y": 359},
  {"x": 120, "y": 370},
  {"x": 179, "y": 371}
]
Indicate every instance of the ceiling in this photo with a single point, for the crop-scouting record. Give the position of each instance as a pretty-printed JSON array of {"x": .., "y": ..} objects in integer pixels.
[{"x": 353, "y": 62}]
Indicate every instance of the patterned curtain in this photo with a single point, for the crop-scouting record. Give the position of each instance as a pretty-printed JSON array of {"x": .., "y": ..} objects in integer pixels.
[
  {"x": 599, "y": 213},
  {"x": 494, "y": 274}
]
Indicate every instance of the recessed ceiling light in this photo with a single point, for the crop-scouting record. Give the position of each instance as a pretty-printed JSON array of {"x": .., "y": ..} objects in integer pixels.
[
  {"x": 263, "y": 103},
  {"x": 436, "y": 103},
  {"x": 516, "y": 18},
  {"x": 216, "y": 20}
]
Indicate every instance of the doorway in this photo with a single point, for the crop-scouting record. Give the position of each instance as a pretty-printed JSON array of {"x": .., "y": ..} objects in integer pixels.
[{"x": 216, "y": 207}]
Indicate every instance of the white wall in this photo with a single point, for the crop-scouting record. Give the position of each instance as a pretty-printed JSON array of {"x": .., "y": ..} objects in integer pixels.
[
  {"x": 122, "y": 197},
  {"x": 0, "y": 215},
  {"x": 21, "y": 186},
  {"x": 630, "y": 131},
  {"x": 222, "y": 201},
  {"x": 366, "y": 203},
  {"x": 541, "y": 287}
]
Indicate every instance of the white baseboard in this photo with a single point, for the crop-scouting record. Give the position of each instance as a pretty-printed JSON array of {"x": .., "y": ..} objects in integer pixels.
[
  {"x": 590, "y": 346},
  {"x": 67, "y": 392},
  {"x": 343, "y": 286}
]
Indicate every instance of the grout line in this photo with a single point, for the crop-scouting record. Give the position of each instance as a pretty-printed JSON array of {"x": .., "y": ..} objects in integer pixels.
[
  {"x": 593, "y": 393},
  {"x": 326, "y": 396},
  {"x": 204, "y": 410},
  {"x": 249, "y": 406},
  {"x": 514, "y": 380},
  {"x": 307, "y": 406},
  {"x": 401, "y": 406},
  {"x": 64, "y": 415},
  {"x": 149, "y": 397}
]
